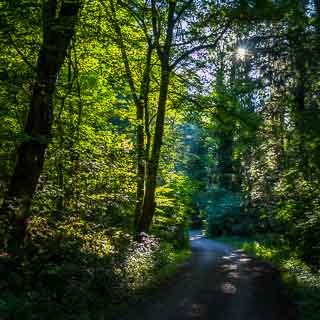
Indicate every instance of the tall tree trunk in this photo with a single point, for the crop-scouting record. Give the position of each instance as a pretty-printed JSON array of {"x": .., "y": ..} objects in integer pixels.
[
  {"x": 149, "y": 204},
  {"x": 317, "y": 6},
  {"x": 60, "y": 169},
  {"x": 140, "y": 161},
  {"x": 300, "y": 112},
  {"x": 59, "y": 27},
  {"x": 143, "y": 125},
  {"x": 141, "y": 102},
  {"x": 225, "y": 162}
]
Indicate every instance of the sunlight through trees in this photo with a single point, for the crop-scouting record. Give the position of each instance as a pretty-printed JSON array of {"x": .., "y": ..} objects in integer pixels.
[{"x": 125, "y": 123}]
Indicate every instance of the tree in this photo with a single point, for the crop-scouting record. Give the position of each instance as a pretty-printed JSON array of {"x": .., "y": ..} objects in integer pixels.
[
  {"x": 175, "y": 48},
  {"x": 59, "y": 21}
]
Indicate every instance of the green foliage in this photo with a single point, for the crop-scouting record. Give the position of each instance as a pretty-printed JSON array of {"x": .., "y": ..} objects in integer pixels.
[
  {"x": 76, "y": 270},
  {"x": 240, "y": 152}
]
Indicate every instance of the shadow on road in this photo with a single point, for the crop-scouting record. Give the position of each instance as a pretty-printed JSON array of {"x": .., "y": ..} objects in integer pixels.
[{"x": 219, "y": 283}]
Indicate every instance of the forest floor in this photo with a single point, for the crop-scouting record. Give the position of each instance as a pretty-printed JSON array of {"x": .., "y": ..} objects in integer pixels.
[{"x": 220, "y": 283}]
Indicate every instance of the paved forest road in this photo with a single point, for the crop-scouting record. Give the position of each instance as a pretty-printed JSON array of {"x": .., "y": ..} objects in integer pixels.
[{"x": 218, "y": 283}]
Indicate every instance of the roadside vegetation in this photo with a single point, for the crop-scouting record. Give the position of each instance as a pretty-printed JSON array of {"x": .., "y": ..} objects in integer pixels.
[
  {"x": 84, "y": 277},
  {"x": 301, "y": 281}
]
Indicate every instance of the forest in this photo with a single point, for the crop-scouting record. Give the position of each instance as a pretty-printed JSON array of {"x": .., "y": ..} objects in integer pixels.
[{"x": 123, "y": 124}]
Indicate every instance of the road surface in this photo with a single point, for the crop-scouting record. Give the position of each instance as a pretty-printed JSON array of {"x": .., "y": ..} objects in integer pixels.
[{"x": 218, "y": 283}]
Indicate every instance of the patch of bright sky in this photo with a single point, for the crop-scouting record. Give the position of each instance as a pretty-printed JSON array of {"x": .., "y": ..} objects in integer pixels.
[{"x": 242, "y": 53}]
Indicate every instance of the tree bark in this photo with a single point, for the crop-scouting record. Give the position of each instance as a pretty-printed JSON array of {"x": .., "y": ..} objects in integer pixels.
[
  {"x": 59, "y": 27},
  {"x": 141, "y": 102},
  {"x": 300, "y": 111},
  {"x": 149, "y": 204},
  {"x": 142, "y": 152}
]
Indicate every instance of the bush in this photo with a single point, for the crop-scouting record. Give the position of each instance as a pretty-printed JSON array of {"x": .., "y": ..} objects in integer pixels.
[{"x": 74, "y": 270}]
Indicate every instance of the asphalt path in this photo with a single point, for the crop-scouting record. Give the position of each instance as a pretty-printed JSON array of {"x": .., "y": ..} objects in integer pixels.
[{"x": 218, "y": 283}]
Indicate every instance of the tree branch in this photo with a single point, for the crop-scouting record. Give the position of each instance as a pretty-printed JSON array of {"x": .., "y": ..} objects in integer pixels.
[
  {"x": 185, "y": 6},
  {"x": 155, "y": 27},
  {"x": 20, "y": 53},
  {"x": 187, "y": 53},
  {"x": 113, "y": 17}
]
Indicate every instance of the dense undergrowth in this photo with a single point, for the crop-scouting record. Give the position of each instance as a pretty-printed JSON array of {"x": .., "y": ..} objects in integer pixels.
[
  {"x": 74, "y": 271},
  {"x": 302, "y": 281}
]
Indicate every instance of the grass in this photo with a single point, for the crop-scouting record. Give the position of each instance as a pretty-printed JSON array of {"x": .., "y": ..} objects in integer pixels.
[
  {"x": 296, "y": 275},
  {"x": 166, "y": 272},
  {"x": 178, "y": 258},
  {"x": 160, "y": 278}
]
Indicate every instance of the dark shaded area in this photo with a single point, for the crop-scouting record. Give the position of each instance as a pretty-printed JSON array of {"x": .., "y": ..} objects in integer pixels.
[
  {"x": 58, "y": 281},
  {"x": 219, "y": 283}
]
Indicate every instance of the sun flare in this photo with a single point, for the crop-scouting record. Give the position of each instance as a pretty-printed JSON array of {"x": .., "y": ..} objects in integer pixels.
[{"x": 241, "y": 53}]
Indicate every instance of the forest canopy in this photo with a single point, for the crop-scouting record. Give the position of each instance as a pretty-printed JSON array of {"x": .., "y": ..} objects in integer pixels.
[{"x": 125, "y": 123}]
